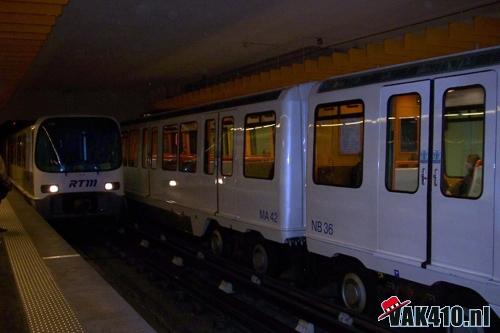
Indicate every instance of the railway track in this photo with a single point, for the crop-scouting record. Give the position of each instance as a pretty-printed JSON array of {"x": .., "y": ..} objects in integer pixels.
[
  {"x": 254, "y": 303},
  {"x": 304, "y": 306}
]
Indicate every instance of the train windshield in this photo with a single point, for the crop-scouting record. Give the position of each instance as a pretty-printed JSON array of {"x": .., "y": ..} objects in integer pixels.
[{"x": 78, "y": 144}]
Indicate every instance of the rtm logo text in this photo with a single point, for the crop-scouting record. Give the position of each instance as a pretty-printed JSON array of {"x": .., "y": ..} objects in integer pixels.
[{"x": 83, "y": 183}]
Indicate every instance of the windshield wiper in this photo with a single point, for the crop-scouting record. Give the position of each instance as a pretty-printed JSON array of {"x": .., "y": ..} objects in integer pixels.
[{"x": 63, "y": 168}]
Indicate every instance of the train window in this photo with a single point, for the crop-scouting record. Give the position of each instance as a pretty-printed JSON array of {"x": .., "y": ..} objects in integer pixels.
[
  {"x": 133, "y": 148},
  {"x": 403, "y": 143},
  {"x": 209, "y": 153},
  {"x": 154, "y": 147},
  {"x": 169, "y": 158},
  {"x": 124, "y": 148},
  {"x": 260, "y": 132},
  {"x": 187, "y": 147},
  {"x": 227, "y": 146},
  {"x": 463, "y": 142},
  {"x": 144, "y": 150},
  {"x": 338, "y": 144}
]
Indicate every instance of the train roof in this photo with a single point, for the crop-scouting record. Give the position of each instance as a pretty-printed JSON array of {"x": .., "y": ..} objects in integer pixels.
[
  {"x": 457, "y": 62},
  {"x": 251, "y": 99}
]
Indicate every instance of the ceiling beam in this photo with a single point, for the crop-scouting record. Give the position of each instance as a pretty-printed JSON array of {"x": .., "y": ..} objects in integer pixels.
[
  {"x": 23, "y": 28},
  {"x": 17, "y": 42},
  {"x": 18, "y": 48},
  {"x": 53, "y": 2},
  {"x": 22, "y": 35},
  {"x": 30, "y": 8},
  {"x": 27, "y": 19}
]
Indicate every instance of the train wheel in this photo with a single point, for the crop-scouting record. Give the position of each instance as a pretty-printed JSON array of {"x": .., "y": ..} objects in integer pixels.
[
  {"x": 260, "y": 258},
  {"x": 217, "y": 242},
  {"x": 354, "y": 292}
]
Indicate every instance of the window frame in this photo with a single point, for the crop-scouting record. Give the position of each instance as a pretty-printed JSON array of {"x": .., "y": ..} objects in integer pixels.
[
  {"x": 222, "y": 147},
  {"x": 144, "y": 148},
  {"x": 245, "y": 142},
  {"x": 206, "y": 161},
  {"x": 167, "y": 127},
  {"x": 180, "y": 144},
  {"x": 443, "y": 149},
  {"x": 150, "y": 149},
  {"x": 419, "y": 148},
  {"x": 135, "y": 159},
  {"x": 339, "y": 103}
]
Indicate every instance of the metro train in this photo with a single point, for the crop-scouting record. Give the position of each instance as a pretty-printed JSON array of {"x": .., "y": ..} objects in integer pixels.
[
  {"x": 390, "y": 173},
  {"x": 68, "y": 166}
]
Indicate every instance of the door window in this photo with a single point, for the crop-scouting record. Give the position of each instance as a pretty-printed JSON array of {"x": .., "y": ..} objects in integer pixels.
[
  {"x": 463, "y": 142},
  {"x": 169, "y": 158},
  {"x": 133, "y": 148},
  {"x": 145, "y": 148},
  {"x": 187, "y": 147},
  {"x": 154, "y": 147},
  {"x": 403, "y": 143},
  {"x": 209, "y": 149},
  {"x": 227, "y": 146}
]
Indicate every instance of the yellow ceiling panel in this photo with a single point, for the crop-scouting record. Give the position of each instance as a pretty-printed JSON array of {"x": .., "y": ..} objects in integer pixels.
[
  {"x": 24, "y": 26},
  {"x": 433, "y": 41}
]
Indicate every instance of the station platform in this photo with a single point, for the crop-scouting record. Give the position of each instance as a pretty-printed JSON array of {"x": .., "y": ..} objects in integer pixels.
[{"x": 46, "y": 286}]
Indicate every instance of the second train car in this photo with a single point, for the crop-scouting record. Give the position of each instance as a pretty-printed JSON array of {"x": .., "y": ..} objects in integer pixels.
[{"x": 389, "y": 171}]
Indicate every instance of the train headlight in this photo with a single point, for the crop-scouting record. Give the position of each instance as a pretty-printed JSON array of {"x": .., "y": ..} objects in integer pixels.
[
  {"x": 49, "y": 188},
  {"x": 112, "y": 186},
  {"x": 172, "y": 183}
]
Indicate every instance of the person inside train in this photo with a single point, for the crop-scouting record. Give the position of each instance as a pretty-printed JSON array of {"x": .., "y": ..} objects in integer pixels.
[{"x": 462, "y": 187}]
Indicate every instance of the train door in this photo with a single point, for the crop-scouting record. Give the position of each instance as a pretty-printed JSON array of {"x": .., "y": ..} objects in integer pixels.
[
  {"x": 404, "y": 111},
  {"x": 226, "y": 179},
  {"x": 208, "y": 179},
  {"x": 463, "y": 173},
  {"x": 340, "y": 184}
]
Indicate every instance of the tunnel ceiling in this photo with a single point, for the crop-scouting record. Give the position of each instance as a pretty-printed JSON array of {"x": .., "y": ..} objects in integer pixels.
[{"x": 97, "y": 44}]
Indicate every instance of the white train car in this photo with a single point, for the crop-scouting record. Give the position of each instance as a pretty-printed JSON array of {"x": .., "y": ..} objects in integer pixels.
[
  {"x": 69, "y": 166},
  {"x": 235, "y": 164},
  {"x": 389, "y": 171},
  {"x": 401, "y": 174}
]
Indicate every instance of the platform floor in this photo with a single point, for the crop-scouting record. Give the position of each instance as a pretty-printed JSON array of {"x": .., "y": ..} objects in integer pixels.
[{"x": 55, "y": 289}]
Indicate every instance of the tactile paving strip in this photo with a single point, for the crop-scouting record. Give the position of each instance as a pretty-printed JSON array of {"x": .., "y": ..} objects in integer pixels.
[{"x": 46, "y": 308}]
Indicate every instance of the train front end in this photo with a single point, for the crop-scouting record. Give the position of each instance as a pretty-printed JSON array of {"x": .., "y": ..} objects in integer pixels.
[{"x": 77, "y": 167}]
